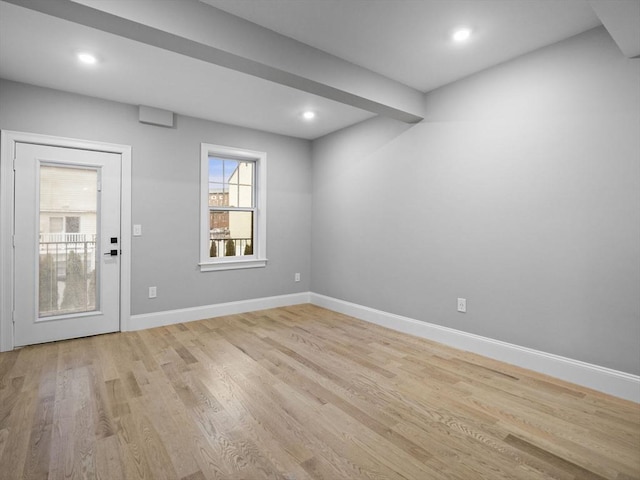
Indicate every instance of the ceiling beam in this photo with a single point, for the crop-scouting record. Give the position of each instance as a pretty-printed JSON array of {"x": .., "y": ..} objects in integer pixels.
[
  {"x": 621, "y": 18},
  {"x": 200, "y": 31}
]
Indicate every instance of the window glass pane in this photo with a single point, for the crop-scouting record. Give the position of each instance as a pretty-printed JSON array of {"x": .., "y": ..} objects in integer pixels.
[
  {"x": 216, "y": 174},
  {"x": 241, "y": 232},
  {"x": 231, "y": 171},
  {"x": 67, "y": 267},
  {"x": 218, "y": 233},
  {"x": 218, "y": 197},
  {"x": 226, "y": 177},
  {"x": 246, "y": 173},
  {"x": 245, "y": 196},
  {"x": 233, "y": 195},
  {"x": 230, "y": 234}
]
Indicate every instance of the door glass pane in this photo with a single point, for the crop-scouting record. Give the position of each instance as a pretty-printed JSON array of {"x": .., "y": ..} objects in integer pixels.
[{"x": 67, "y": 267}]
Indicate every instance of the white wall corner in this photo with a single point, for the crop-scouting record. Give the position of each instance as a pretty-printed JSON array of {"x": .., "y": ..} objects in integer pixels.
[
  {"x": 606, "y": 380},
  {"x": 170, "y": 317}
]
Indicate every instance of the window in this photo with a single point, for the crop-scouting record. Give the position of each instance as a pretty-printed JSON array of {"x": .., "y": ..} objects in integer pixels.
[
  {"x": 233, "y": 208},
  {"x": 55, "y": 224},
  {"x": 72, "y": 224}
]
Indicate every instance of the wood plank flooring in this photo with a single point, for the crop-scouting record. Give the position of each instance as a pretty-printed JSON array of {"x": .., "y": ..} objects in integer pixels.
[{"x": 298, "y": 393}]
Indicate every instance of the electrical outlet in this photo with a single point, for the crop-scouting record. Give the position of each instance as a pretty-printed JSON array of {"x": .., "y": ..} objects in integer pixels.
[
  {"x": 153, "y": 292},
  {"x": 462, "y": 305},
  {"x": 296, "y": 277}
]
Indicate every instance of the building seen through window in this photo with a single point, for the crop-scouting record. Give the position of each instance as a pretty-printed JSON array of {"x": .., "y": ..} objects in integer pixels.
[{"x": 231, "y": 204}]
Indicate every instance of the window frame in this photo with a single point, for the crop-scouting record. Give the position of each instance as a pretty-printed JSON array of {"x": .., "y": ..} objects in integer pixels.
[{"x": 259, "y": 257}]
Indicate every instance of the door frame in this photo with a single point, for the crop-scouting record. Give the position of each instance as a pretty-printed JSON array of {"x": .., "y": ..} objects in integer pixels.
[{"x": 8, "y": 140}]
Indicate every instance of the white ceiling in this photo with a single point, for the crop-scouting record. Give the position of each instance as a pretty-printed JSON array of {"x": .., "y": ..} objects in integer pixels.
[
  {"x": 40, "y": 50},
  {"x": 409, "y": 40},
  {"x": 404, "y": 40}
]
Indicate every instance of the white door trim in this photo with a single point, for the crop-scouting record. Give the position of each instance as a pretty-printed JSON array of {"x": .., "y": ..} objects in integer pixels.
[{"x": 8, "y": 140}]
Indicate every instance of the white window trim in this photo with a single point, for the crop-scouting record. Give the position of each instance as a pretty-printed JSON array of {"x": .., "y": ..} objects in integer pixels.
[{"x": 259, "y": 257}]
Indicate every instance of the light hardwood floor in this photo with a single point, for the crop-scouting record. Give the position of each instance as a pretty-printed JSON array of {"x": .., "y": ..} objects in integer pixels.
[{"x": 298, "y": 393}]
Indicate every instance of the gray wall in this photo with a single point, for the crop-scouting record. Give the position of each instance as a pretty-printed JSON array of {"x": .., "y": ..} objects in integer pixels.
[
  {"x": 519, "y": 192},
  {"x": 165, "y": 197}
]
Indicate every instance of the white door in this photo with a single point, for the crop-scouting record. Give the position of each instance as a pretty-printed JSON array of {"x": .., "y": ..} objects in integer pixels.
[{"x": 67, "y": 243}]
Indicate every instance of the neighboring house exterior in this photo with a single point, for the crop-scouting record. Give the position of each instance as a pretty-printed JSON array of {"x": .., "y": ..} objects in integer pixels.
[
  {"x": 233, "y": 226},
  {"x": 219, "y": 221},
  {"x": 240, "y": 195},
  {"x": 68, "y": 203}
]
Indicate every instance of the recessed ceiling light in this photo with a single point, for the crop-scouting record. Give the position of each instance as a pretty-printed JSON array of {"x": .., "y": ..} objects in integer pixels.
[
  {"x": 87, "y": 58},
  {"x": 461, "y": 34},
  {"x": 309, "y": 115}
]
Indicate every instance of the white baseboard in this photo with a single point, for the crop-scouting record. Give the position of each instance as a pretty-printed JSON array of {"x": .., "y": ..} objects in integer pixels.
[
  {"x": 170, "y": 317},
  {"x": 612, "y": 382}
]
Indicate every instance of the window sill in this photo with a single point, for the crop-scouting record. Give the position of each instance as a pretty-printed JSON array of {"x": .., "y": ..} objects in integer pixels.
[{"x": 232, "y": 265}]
